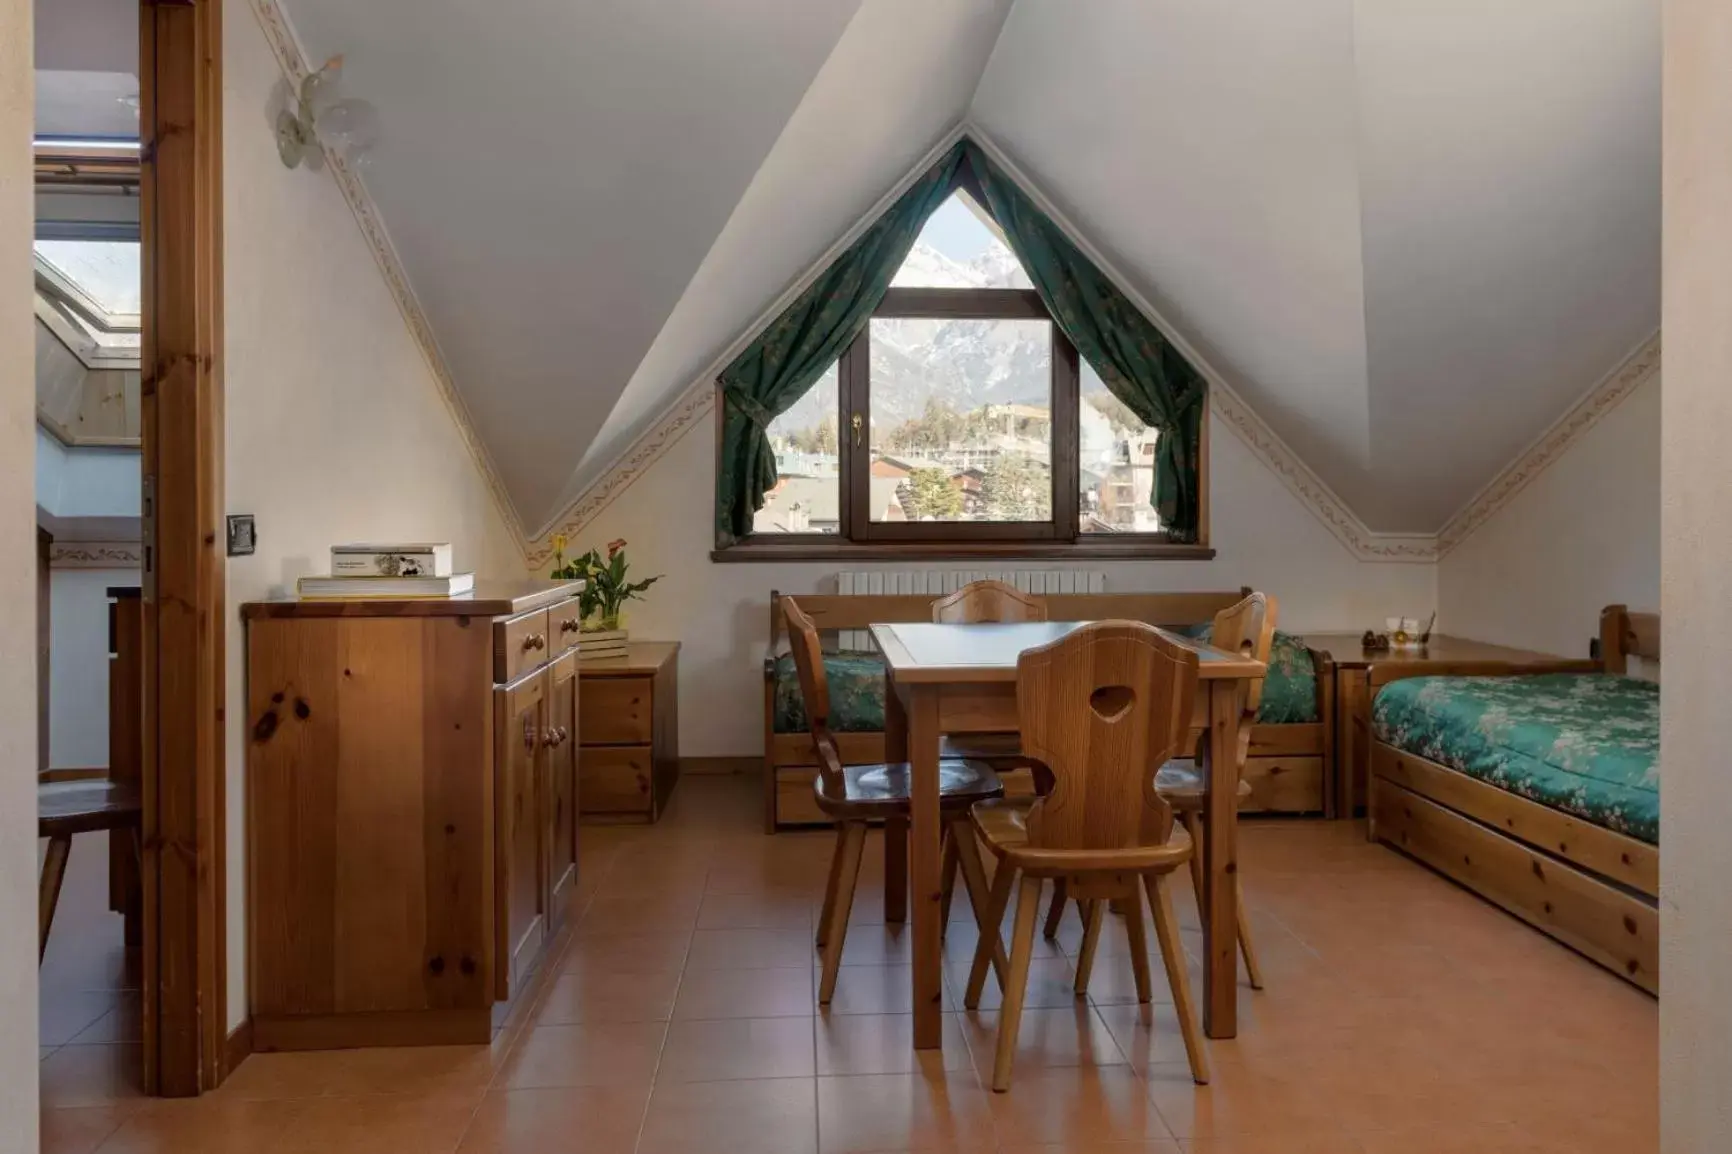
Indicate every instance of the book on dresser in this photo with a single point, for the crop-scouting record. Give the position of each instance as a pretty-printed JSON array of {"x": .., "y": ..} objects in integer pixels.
[
  {"x": 325, "y": 588},
  {"x": 413, "y": 559}
]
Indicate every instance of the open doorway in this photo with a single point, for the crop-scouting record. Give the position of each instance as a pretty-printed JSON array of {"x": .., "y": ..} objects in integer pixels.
[{"x": 128, "y": 353}]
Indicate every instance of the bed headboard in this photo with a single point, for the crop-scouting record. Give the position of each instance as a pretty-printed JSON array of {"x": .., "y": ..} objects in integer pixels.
[{"x": 1624, "y": 634}]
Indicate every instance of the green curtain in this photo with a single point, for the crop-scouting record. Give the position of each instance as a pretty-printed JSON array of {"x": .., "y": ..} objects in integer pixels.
[
  {"x": 790, "y": 355},
  {"x": 1137, "y": 364}
]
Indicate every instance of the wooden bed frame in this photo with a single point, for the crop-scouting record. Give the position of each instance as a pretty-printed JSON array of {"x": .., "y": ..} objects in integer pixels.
[
  {"x": 1590, "y": 888},
  {"x": 1291, "y": 767}
]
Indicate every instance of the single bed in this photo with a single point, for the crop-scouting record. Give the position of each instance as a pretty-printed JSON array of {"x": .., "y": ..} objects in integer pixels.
[
  {"x": 1537, "y": 786},
  {"x": 1291, "y": 761}
]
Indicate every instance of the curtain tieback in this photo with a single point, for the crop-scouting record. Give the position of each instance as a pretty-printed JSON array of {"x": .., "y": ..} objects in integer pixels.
[{"x": 748, "y": 407}]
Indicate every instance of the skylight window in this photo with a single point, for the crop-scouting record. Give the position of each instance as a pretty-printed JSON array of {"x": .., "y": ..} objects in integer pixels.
[{"x": 102, "y": 277}]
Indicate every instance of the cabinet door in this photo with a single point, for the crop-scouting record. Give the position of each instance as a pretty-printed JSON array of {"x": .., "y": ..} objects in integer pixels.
[
  {"x": 519, "y": 882},
  {"x": 561, "y": 815}
]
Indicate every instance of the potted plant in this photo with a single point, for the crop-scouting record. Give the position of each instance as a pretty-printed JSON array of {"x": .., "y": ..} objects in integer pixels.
[{"x": 606, "y": 589}]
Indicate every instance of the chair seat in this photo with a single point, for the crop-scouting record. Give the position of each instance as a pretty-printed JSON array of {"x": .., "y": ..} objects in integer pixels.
[
  {"x": 64, "y": 808},
  {"x": 1181, "y": 783},
  {"x": 1002, "y": 826},
  {"x": 869, "y": 789}
]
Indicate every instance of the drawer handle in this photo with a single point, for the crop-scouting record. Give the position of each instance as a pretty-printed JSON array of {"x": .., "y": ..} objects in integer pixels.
[
  {"x": 534, "y": 641},
  {"x": 569, "y": 625},
  {"x": 556, "y": 737}
]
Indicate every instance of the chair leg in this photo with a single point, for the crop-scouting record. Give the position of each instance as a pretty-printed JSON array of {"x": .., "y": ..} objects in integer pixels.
[
  {"x": 847, "y": 877},
  {"x": 830, "y": 885},
  {"x": 1252, "y": 969},
  {"x": 979, "y": 892},
  {"x": 1139, "y": 945},
  {"x": 1055, "y": 912},
  {"x": 53, "y": 873},
  {"x": 1094, "y": 914},
  {"x": 896, "y": 870},
  {"x": 1016, "y": 984},
  {"x": 947, "y": 874},
  {"x": 1194, "y": 826},
  {"x": 1173, "y": 957},
  {"x": 996, "y": 902}
]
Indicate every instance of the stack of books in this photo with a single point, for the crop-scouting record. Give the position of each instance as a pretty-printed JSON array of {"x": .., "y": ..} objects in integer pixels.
[{"x": 417, "y": 570}]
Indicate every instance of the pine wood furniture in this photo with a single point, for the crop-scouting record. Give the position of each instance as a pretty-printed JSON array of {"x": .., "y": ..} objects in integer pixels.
[
  {"x": 1350, "y": 719},
  {"x": 411, "y": 811},
  {"x": 1591, "y": 888},
  {"x": 73, "y": 807},
  {"x": 629, "y": 759},
  {"x": 1098, "y": 707},
  {"x": 855, "y": 795},
  {"x": 1291, "y": 766},
  {"x": 959, "y": 679}
]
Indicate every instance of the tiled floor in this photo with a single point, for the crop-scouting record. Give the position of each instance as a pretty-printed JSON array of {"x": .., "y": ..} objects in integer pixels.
[{"x": 1402, "y": 1016}]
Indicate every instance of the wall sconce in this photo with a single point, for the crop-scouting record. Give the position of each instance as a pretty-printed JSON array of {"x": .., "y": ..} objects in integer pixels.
[{"x": 317, "y": 116}]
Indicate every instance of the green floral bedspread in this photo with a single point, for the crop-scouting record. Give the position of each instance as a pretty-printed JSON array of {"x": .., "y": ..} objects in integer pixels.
[
  {"x": 1585, "y": 744},
  {"x": 1290, "y": 690},
  {"x": 857, "y": 688}
]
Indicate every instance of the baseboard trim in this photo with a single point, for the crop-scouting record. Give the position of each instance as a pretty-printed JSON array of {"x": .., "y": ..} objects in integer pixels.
[
  {"x": 381, "y": 1028},
  {"x": 238, "y": 1047},
  {"x": 717, "y": 766},
  {"x": 81, "y": 773}
]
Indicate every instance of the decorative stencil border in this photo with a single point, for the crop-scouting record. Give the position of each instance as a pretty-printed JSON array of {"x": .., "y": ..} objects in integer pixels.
[
  {"x": 292, "y": 58},
  {"x": 96, "y": 555},
  {"x": 1636, "y": 369}
]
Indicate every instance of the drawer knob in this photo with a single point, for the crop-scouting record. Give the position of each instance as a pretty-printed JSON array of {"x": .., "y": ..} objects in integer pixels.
[
  {"x": 556, "y": 737},
  {"x": 534, "y": 641},
  {"x": 569, "y": 625}
]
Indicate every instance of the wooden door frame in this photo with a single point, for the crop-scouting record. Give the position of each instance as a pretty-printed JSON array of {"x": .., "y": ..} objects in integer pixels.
[{"x": 184, "y": 978}]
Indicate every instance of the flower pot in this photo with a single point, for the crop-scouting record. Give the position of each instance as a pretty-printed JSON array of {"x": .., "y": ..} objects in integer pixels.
[{"x": 602, "y": 636}]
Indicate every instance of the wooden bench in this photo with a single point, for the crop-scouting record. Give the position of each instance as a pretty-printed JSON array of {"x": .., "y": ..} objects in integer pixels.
[
  {"x": 73, "y": 807},
  {"x": 1290, "y": 768}
]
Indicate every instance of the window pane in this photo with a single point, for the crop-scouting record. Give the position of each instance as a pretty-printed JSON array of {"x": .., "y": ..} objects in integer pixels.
[
  {"x": 1117, "y": 458},
  {"x": 961, "y": 421},
  {"x": 960, "y": 247},
  {"x": 106, "y": 271},
  {"x": 808, "y": 493}
]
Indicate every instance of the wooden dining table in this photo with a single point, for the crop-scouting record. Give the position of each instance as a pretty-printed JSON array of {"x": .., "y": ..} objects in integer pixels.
[{"x": 959, "y": 679}]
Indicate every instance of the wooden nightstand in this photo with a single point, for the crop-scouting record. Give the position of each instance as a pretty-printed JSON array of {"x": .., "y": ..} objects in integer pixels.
[
  {"x": 628, "y": 733},
  {"x": 1353, "y": 697}
]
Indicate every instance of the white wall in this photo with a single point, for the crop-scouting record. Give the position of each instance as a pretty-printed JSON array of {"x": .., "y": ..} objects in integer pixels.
[
  {"x": 1696, "y": 556},
  {"x": 18, "y": 1053},
  {"x": 336, "y": 429},
  {"x": 1582, "y": 535},
  {"x": 78, "y": 664},
  {"x": 86, "y": 481},
  {"x": 720, "y": 613}
]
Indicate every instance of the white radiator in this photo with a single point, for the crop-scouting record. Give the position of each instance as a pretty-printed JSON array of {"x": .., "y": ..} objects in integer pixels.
[{"x": 941, "y": 581}]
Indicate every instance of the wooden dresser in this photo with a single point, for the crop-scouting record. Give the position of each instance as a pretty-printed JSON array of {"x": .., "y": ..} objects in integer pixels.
[
  {"x": 629, "y": 759},
  {"x": 411, "y": 811}
]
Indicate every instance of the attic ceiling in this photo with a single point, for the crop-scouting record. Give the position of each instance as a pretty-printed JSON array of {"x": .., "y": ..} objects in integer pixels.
[{"x": 1409, "y": 232}]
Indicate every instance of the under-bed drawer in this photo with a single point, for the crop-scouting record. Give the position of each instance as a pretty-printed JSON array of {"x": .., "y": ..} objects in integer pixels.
[{"x": 1284, "y": 785}]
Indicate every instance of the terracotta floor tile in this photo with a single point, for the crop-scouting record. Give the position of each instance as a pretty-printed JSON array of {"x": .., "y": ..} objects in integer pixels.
[
  {"x": 882, "y": 990},
  {"x": 1106, "y": 1103},
  {"x": 204, "y": 1126},
  {"x": 770, "y": 1116},
  {"x": 882, "y": 1044},
  {"x": 665, "y": 950},
  {"x": 879, "y": 1112},
  {"x": 402, "y": 1124},
  {"x": 731, "y": 1048},
  {"x": 1237, "y": 1103},
  {"x": 1048, "y": 1038},
  {"x": 598, "y": 1054},
  {"x": 1502, "y": 1137},
  {"x": 603, "y": 1119},
  {"x": 749, "y": 949},
  {"x": 1324, "y": 1140},
  {"x": 462, "y": 1071},
  {"x": 607, "y": 995},
  {"x": 92, "y": 1075},
  {"x": 772, "y": 910},
  {"x": 637, "y": 915},
  {"x": 80, "y": 1129},
  {"x": 1090, "y": 1146},
  {"x": 767, "y": 993},
  {"x": 1051, "y": 984}
]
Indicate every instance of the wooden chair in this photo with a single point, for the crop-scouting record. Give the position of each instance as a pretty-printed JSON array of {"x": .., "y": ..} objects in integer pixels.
[
  {"x": 73, "y": 807},
  {"x": 1248, "y": 627},
  {"x": 858, "y": 794},
  {"x": 1098, "y": 707},
  {"x": 987, "y": 601}
]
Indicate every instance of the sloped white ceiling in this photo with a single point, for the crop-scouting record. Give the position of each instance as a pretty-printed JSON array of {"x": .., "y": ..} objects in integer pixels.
[
  {"x": 1409, "y": 232},
  {"x": 553, "y": 173}
]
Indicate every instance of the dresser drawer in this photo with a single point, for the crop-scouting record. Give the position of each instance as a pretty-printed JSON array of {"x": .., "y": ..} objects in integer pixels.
[
  {"x": 519, "y": 645},
  {"x": 615, "y": 779},
  {"x": 564, "y": 621},
  {"x": 616, "y": 710}
]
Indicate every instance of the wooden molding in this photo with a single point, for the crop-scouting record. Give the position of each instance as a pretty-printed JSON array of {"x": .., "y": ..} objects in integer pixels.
[
  {"x": 96, "y": 555},
  {"x": 293, "y": 61},
  {"x": 238, "y": 1048}
]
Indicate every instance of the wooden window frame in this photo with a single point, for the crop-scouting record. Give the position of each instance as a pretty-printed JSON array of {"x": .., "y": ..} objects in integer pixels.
[{"x": 859, "y": 538}]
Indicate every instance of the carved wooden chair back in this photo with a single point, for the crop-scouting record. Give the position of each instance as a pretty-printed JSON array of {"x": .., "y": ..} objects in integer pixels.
[
  {"x": 808, "y": 650},
  {"x": 1099, "y": 707},
  {"x": 985, "y": 601},
  {"x": 1248, "y": 628}
]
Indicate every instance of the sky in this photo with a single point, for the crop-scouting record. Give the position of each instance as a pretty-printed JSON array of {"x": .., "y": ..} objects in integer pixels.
[{"x": 956, "y": 232}]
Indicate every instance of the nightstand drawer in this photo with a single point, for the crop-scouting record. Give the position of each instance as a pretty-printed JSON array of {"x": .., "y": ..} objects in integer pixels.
[
  {"x": 616, "y": 710},
  {"x": 519, "y": 645},
  {"x": 615, "y": 779}
]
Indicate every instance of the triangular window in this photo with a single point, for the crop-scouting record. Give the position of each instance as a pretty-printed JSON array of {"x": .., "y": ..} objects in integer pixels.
[{"x": 961, "y": 247}]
